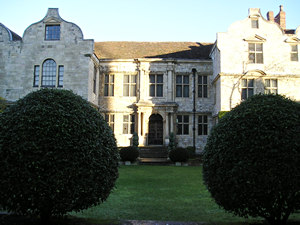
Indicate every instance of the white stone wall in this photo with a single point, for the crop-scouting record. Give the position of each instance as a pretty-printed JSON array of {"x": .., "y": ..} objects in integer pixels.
[{"x": 231, "y": 64}]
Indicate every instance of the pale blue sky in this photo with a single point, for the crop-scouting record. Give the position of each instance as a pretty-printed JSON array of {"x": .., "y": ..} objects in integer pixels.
[{"x": 145, "y": 20}]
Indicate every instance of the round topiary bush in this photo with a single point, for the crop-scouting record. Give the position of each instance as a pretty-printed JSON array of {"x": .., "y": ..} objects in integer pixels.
[
  {"x": 57, "y": 154},
  {"x": 179, "y": 155},
  {"x": 252, "y": 159},
  {"x": 130, "y": 153}
]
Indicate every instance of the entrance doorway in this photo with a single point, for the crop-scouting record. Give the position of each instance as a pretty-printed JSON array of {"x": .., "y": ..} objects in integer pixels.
[{"x": 155, "y": 135}]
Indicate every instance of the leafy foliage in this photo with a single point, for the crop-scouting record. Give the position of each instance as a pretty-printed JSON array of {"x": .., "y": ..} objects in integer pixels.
[
  {"x": 179, "y": 155},
  {"x": 57, "y": 155},
  {"x": 251, "y": 160},
  {"x": 172, "y": 142},
  {"x": 135, "y": 140},
  {"x": 129, "y": 154}
]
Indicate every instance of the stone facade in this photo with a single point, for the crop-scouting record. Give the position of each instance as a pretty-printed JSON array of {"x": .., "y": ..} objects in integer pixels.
[{"x": 155, "y": 88}]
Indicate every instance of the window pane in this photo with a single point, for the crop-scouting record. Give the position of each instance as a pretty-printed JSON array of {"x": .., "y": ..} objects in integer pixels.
[
  {"x": 185, "y": 129},
  {"x": 205, "y": 91},
  {"x": 185, "y": 91},
  {"x": 244, "y": 82},
  {"x": 126, "y": 78},
  {"x": 159, "y": 78},
  {"x": 152, "y": 90},
  {"x": 274, "y": 83},
  {"x": 179, "y": 129},
  {"x": 133, "y": 90},
  {"x": 251, "y": 47},
  {"x": 159, "y": 90},
  {"x": 254, "y": 23},
  {"x": 111, "y": 78},
  {"x": 294, "y": 57},
  {"x": 199, "y": 79},
  {"x": 250, "y": 92},
  {"x": 259, "y": 47},
  {"x": 179, "y": 119},
  {"x": 251, "y": 57},
  {"x": 204, "y": 79},
  {"x": 111, "y": 90},
  {"x": 244, "y": 94},
  {"x": 126, "y": 90},
  {"x": 106, "y": 79},
  {"x": 250, "y": 82},
  {"x": 259, "y": 58},
  {"x": 133, "y": 79},
  {"x": 294, "y": 48},
  {"x": 186, "y": 119},
  {"x": 178, "y": 79},
  {"x": 178, "y": 91},
  {"x": 200, "y": 129},
  {"x": 205, "y": 119},
  {"x": 205, "y": 129},
  {"x": 200, "y": 94},
  {"x": 267, "y": 83},
  {"x": 152, "y": 79},
  {"x": 185, "y": 79}
]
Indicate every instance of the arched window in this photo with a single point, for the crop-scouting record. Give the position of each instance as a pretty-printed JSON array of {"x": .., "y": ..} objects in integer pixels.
[{"x": 49, "y": 73}]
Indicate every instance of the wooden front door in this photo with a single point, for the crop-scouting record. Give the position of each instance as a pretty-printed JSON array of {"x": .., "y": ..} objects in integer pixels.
[{"x": 155, "y": 135}]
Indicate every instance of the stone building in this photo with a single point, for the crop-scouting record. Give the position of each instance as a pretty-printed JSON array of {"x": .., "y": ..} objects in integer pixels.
[{"x": 155, "y": 88}]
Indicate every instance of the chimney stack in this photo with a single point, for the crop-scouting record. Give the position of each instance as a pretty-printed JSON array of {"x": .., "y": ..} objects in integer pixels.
[
  {"x": 280, "y": 18},
  {"x": 270, "y": 16}
]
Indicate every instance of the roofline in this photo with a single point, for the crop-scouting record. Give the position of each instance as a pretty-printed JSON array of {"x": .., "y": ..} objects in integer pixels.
[{"x": 156, "y": 60}]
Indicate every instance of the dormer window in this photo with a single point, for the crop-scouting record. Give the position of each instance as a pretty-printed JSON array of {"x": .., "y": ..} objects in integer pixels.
[
  {"x": 254, "y": 23},
  {"x": 52, "y": 32}
]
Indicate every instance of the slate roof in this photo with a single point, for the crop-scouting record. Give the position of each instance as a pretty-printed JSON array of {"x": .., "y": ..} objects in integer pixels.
[
  {"x": 13, "y": 35},
  {"x": 133, "y": 50}
]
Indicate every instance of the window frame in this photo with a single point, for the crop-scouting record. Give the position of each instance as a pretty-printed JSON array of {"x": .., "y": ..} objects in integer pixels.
[
  {"x": 182, "y": 86},
  {"x": 109, "y": 85},
  {"x": 246, "y": 89},
  {"x": 52, "y": 34},
  {"x": 49, "y": 73},
  {"x": 254, "y": 53},
  {"x": 202, "y": 125},
  {"x": 60, "y": 80},
  {"x": 156, "y": 85},
  {"x": 270, "y": 88},
  {"x": 254, "y": 23},
  {"x": 202, "y": 86},
  {"x": 183, "y": 125},
  {"x": 110, "y": 119},
  {"x": 131, "y": 83},
  {"x": 36, "y": 76},
  {"x": 129, "y": 123}
]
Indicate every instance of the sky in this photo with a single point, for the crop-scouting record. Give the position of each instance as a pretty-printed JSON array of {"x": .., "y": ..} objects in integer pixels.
[{"x": 145, "y": 20}]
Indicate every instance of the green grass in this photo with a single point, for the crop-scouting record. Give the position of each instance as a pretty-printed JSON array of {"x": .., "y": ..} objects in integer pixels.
[{"x": 164, "y": 193}]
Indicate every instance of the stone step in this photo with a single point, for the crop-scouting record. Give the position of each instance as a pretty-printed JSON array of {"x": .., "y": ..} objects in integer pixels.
[
  {"x": 154, "y": 161},
  {"x": 153, "y": 152}
]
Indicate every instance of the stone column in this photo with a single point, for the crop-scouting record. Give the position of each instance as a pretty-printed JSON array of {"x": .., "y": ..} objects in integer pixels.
[{"x": 170, "y": 69}]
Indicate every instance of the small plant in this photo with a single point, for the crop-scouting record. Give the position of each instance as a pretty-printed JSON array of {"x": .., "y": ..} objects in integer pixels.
[
  {"x": 135, "y": 140},
  {"x": 179, "y": 155},
  {"x": 129, "y": 154},
  {"x": 172, "y": 142}
]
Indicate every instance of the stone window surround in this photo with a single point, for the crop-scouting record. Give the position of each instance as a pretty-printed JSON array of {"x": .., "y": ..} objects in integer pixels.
[
  {"x": 37, "y": 78},
  {"x": 256, "y": 54}
]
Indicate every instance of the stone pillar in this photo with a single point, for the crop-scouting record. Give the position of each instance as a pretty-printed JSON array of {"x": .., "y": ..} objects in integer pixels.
[
  {"x": 166, "y": 128},
  {"x": 172, "y": 123},
  {"x": 170, "y": 91}
]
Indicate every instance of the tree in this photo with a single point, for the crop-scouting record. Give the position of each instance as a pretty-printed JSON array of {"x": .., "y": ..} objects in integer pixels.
[
  {"x": 135, "y": 140},
  {"x": 251, "y": 160},
  {"x": 57, "y": 154},
  {"x": 172, "y": 142}
]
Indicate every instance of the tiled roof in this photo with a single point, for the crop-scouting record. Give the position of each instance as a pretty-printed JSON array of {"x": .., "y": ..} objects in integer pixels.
[
  {"x": 13, "y": 35},
  {"x": 133, "y": 50}
]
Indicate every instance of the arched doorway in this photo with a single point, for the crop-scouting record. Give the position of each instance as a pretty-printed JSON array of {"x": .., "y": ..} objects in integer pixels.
[{"x": 155, "y": 134}]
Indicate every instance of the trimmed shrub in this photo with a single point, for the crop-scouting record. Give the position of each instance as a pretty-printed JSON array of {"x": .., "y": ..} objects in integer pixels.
[
  {"x": 129, "y": 154},
  {"x": 57, "y": 154},
  {"x": 192, "y": 151},
  {"x": 179, "y": 155},
  {"x": 172, "y": 142},
  {"x": 135, "y": 140},
  {"x": 251, "y": 160}
]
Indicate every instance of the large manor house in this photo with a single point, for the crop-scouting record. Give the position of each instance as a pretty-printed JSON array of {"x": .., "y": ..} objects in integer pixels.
[{"x": 155, "y": 88}]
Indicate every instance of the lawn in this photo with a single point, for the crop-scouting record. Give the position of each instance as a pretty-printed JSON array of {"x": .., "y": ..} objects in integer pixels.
[{"x": 164, "y": 193}]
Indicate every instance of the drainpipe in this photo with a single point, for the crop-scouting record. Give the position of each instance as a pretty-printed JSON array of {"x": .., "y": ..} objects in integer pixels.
[{"x": 194, "y": 107}]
